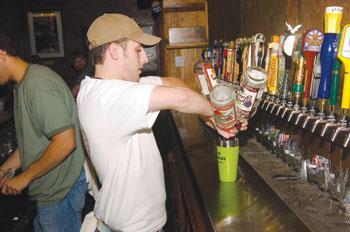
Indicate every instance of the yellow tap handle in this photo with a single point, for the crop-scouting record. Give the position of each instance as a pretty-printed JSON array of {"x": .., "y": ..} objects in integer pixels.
[
  {"x": 344, "y": 57},
  {"x": 345, "y": 102}
]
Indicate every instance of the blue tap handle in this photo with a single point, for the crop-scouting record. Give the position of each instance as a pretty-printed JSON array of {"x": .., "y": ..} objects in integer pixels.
[{"x": 328, "y": 53}]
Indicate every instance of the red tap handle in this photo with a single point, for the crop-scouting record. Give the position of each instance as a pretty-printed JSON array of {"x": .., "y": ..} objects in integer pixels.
[{"x": 309, "y": 60}]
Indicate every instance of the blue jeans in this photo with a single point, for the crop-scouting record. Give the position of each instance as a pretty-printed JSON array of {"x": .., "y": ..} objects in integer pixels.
[{"x": 65, "y": 215}]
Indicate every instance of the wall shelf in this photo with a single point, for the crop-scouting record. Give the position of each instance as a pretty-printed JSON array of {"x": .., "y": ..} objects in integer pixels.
[
  {"x": 184, "y": 7},
  {"x": 187, "y": 45}
]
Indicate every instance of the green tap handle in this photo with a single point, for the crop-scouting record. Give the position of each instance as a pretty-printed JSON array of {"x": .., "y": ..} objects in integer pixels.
[{"x": 335, "y": 82}]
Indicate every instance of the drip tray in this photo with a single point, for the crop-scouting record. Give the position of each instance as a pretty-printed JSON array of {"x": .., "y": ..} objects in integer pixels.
[{"x": 312, "y": 206}]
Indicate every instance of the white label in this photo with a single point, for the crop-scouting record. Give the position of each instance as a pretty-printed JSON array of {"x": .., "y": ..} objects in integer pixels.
[
  {"x": 245, "y": 99},
  {"x": 346, "y": 44},
  {"x": 179, "y": 61},
  {"x": 212, "y": 77},
  {"x": 203, "y": 83},
  {"x": 334, "y": 9}
]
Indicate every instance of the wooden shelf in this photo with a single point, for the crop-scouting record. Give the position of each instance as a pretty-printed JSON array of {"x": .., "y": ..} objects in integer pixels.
[
  {"x": 184, "y": 7},
  {"x": 187, "y": 45}
]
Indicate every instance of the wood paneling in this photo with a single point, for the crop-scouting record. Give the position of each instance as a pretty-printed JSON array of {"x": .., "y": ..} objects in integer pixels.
[
  {"x": 312, "y": 12},
  {"x": 224, "y": 19},
  {"x": 176, "y": 19},
  {"x": 185, "y": 73},
  {"x": 182, "y": 54},
  {"x": 269, "y": 16},
  {"x": 179, "y": 3}
]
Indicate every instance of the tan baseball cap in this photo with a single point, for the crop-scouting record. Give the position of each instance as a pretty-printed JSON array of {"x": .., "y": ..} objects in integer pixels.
[{"x": 113, "y": 27}]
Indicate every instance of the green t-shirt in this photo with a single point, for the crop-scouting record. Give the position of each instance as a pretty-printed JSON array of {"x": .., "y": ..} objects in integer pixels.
[{"x": 44, "y": 107}]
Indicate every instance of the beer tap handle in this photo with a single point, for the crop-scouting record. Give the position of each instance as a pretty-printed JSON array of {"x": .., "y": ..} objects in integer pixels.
[
  {"x": 311, "y": 47},
  {"x": 259, "y": 40},
  {"x": 345, "y": 104},
  {"x": 334, "y": 84},
  {"x": 333, "y": 17}
]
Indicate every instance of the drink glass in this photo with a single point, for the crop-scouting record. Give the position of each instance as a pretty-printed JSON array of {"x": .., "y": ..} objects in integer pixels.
[{"x": 227, "y": 154}]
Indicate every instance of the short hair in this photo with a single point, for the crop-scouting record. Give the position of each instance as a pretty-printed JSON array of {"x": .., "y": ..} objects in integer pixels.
[
  {"x": 7, "y": 43},
  {"x": 98, "y": 54},
  {"x": 78, "y": 54}
]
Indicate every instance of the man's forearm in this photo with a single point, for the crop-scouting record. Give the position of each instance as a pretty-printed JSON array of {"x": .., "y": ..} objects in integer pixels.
[
  {"x": 60, "y": 147},
  {"x": 13, "y": 161},
  {"x": 194, "y": 103},
  {"x": 174, "y": 82}
]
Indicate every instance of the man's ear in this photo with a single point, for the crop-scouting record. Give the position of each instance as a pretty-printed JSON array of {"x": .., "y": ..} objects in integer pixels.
[
  {"x": 115, "y": 51},
  {"x": 3, "y": 54}
]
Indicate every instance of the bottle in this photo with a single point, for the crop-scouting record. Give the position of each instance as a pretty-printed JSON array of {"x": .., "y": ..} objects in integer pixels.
[
  {"x": 206, "y": 77},
  {"x": 252, "y": 86},
  {"x": 222, "y": 98}
]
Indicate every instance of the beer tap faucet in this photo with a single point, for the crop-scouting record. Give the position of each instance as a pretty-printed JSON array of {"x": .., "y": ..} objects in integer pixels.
[
  {"x": 272, "y": 101},
  {"x": 342, "y": 128},
  {"x": 277, "y": 103},
  {"x": 321, "y": 117},
  {"x": 331, "y": 123},
  {"x": 282, "y": 106},
  {"x": 266, "y": 102}
]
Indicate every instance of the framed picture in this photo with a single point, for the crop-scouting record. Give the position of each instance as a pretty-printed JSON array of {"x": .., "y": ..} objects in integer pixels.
[
  {"x": 152, "y": 52},
  {"x": 45, "y": 33}
]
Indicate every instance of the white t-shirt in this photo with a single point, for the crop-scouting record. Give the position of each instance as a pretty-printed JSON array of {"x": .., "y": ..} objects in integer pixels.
[{"x": 113, "y": 114}]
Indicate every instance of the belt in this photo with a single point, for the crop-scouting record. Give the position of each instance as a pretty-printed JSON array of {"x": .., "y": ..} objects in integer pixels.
[{"x": 102, "y": 227}]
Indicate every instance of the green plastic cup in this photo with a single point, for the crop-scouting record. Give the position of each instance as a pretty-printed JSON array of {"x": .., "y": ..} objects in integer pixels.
[
  {"x": 230, "y": 199},
  {"x": 227, "y": 154}
]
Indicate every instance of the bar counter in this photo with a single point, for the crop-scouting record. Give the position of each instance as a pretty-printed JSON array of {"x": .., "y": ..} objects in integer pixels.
[{"x": 245, "y": 205}]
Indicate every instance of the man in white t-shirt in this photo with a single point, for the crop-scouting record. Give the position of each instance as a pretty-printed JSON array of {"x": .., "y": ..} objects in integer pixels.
[{"x": 117, "y": 110}]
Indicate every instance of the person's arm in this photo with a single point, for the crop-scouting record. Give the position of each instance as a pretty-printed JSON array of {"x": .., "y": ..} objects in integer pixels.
[
  {"x": 13, "y": 161},
  {"x": 60, "y": 147},
  {"x": 180, "y": 99},
  {"x": 173, "y": 82}
]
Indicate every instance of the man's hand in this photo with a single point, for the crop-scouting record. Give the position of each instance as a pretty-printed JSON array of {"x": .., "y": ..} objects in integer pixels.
[
  {"x": 2, "y": 177},
  {"x": 243, "y": 125},
  {"x": 14, "y": 185},
  {"x": 227, "y": 134}
]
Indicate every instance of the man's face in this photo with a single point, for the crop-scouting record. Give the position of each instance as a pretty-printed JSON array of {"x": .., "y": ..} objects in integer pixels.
[
  {"x": 133, "y": 60},
  {"x": 79, "y": 64}
]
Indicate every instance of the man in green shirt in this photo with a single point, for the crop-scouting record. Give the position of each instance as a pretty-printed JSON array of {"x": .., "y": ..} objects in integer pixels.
[{"x": 49, "y": 149}]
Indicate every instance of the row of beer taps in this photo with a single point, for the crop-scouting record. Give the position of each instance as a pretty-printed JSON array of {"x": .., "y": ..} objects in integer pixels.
[{"x": 308, "y": 97}]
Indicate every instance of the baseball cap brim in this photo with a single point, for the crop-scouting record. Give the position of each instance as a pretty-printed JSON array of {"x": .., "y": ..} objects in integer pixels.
[{"x": 145, "y": 39}]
